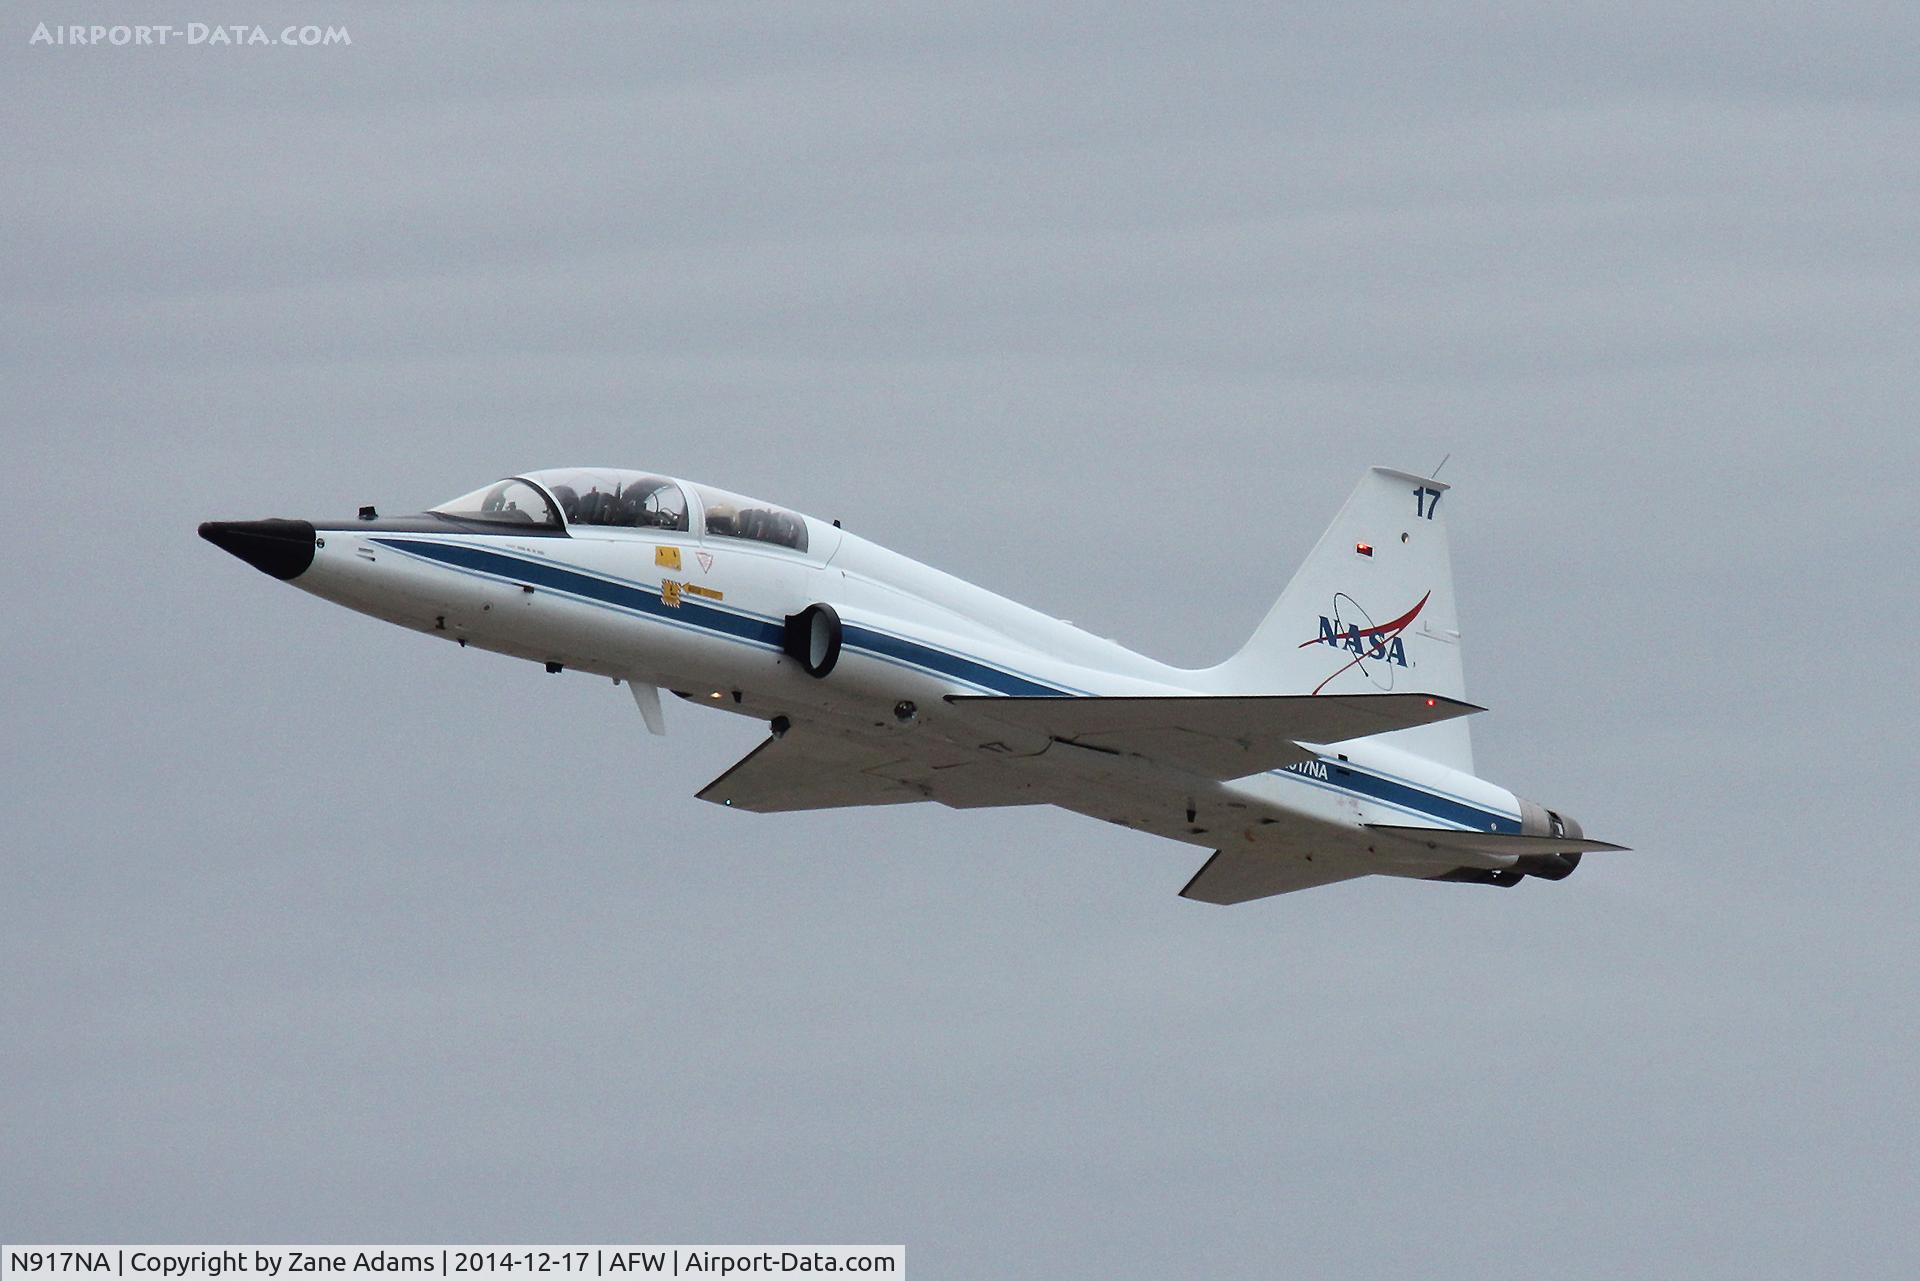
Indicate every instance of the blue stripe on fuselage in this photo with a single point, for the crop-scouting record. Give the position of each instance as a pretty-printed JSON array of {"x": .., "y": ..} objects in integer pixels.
[
  {"x": 941, "y": 661},
  {"x": 1407, "y": 796},
  {"x": 895, "y": 649},
  {"x": 592, "y": 586}
]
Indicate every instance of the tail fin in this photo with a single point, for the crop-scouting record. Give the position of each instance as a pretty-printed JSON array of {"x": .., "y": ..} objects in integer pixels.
[{"x": 1370, "y": 610}]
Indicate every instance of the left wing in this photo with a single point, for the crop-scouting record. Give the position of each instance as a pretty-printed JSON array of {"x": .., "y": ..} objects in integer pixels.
[{"x": 809, "y": 770}]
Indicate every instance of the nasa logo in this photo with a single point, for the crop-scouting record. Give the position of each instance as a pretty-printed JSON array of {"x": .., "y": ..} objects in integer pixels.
[
  {"x": 1386, "y": 648},
  {"x": 1349, "y": 628}
]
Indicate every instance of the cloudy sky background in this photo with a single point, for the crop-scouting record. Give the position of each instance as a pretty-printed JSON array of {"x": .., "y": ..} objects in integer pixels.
[{"x": 317, "y": 931}]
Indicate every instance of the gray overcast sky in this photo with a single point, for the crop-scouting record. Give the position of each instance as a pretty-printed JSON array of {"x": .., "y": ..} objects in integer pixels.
[{"x": 317, "y": 931}]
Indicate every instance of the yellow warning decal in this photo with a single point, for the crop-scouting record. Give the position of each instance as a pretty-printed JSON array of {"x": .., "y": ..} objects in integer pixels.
[
  {"x": 670, "y": 594},
  {"x": 696, "y": 589},
  {"x": 667, "y": 556}
]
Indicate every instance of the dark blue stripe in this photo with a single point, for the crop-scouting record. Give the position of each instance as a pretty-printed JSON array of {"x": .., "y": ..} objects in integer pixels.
[
  {"x": 939, "y": 660},
  {"x": 593, "y": 587},
  {"x": 759, "y": 631},
  {"x": 1411, "y": 797}
]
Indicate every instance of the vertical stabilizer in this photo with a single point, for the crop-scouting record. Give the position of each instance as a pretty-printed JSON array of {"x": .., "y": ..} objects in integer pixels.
[{"x": 1371, "y": 610}]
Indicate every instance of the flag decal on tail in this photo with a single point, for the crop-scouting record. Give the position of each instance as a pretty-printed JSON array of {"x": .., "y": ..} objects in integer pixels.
[{"x": 1378, "y": 643}]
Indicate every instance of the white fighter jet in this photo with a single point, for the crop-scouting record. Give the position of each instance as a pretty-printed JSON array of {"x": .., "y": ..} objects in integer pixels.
[{"x": 1329, "y": 747}]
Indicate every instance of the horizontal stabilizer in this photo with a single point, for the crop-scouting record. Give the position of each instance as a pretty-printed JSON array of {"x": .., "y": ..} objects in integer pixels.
[
  {"x": 1240, "y": 876},
  {"x": 1451, "y": 841},
  {"x": 1219, "y": 736}
]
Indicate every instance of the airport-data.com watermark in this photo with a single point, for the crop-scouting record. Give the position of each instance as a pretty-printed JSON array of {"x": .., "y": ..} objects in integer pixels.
[{"x": 225, "y": 35}]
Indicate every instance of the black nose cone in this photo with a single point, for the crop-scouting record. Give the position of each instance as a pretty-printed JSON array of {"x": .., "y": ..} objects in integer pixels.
[{"x": 283, "y": 548}]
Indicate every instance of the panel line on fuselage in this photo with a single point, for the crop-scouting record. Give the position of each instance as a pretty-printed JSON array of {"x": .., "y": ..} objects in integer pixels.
[{"x": 745, "y": 627}]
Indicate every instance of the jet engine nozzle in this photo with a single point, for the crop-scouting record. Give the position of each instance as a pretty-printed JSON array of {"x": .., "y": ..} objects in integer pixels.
[
  {"x": 283, "y": 548},
  {"x": 1551, "y": 867},
  {"x": 1536, "y": 820}
]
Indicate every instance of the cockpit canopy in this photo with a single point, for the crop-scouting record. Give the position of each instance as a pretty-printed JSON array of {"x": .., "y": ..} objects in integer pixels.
[
  {"x": 731, "y": 516},
  {"x": 506, "y": 502},
  {"x": 581, "y": 496},
  {"x": 626, "y": 499}
]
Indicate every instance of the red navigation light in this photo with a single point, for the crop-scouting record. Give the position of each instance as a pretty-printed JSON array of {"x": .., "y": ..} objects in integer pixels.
[
  {"x": 1432, "y": 703},
  {"x": 1365, "y": 549}
]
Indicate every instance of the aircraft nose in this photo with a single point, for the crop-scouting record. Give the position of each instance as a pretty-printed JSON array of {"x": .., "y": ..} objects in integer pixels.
[{"x": 283, "y": 548}]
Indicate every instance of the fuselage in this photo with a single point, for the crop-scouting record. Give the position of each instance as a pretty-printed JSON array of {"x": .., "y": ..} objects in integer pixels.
[{"x": 697, "y": 595}]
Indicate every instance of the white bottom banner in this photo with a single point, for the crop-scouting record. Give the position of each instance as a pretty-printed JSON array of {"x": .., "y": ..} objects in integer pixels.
[{"x": 458, "y": 1262}]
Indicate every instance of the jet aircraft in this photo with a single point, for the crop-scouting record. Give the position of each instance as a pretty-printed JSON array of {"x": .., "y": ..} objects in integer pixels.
[{"x": 1331, "y": 746}]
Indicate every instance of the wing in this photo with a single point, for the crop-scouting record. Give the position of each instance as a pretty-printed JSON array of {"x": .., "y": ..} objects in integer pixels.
[
  {"x": 1224, "y": 736},
  {"x": 1239, "y": 876},
  {"x": 810, "y": 771},
  {"x": 813, "y": 769}
]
